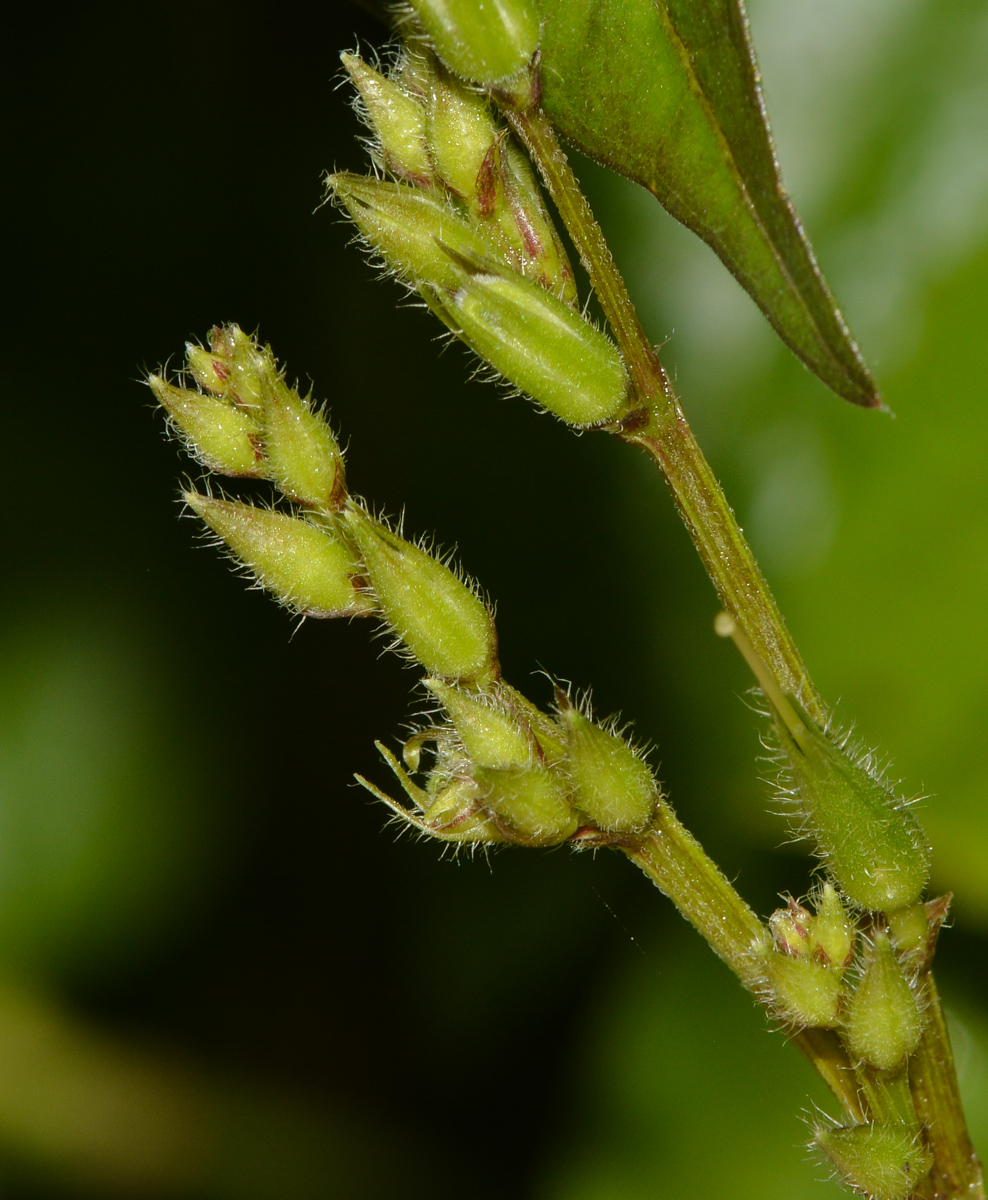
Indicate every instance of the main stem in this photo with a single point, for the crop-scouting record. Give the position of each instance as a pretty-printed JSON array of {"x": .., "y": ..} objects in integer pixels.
[{"x": 662, "y": 431}]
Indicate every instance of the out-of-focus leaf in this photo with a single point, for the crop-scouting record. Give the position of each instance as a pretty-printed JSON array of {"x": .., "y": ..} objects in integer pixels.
[{"x": 667, "y": 93}]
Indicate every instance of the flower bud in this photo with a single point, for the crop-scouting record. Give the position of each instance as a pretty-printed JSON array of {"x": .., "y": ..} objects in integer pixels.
[
  {"x": 611, "y": 784},
  {"x": 408, "y": 229},
  {"x": 303, "y": 456},
  {"x": 882, "y": 1024},
  {"x": 491, "y": 737},
  {"x": 461, "y": 133},
  {"x": 457, "y": 815},
  {"x": 530, "y": 804},
  {"x": 874, "y": 848},
  {"x": 397, "y": 118},
  {"x": 803, "y": 990},
  {"x": 548, "y": 351},
  {"x": 223, "y": 437},
  {"x": 832, "y": 933},
  {"x": 303, "y": 566},
  {"x": 481, "y": 40},
  {"x": 234, "y": 366},
  {"x": 885, "y": 1162},
  {"x": 521, "y": 227},
  {"x": 443, "y": 622},
  {"x": 791, "y": 929}
]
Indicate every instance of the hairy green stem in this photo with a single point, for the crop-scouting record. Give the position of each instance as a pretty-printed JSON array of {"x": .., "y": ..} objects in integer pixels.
[
  {"x": 933, "y": 1081},
  {"x": 664, "y": 432},
  {"x": 670, "y": 856},
  {"x": 681, "y": 869}
]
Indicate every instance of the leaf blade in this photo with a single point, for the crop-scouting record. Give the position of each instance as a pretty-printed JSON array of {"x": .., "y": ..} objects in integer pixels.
[{"x": 684, "y": 117}]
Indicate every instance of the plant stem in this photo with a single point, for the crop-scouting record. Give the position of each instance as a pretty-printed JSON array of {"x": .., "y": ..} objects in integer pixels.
[
  {"x": 668, "y": 854},
  {"x": 933, "y": 1081},
  {"x": 681, "y": 869},
  {"x": 664, "y": 432}
]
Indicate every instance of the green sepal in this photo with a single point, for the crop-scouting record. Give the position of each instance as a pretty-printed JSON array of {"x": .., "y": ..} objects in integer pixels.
[
  {"x": 831, "y": 932},
  {"x": 223, "y": 437},
  {"x": 883, "y": 1161},
  {"x": 882, "y": 1021},
  {"x": 461, "y": 132},
  {"x": 539, "y": 344},
  {"x": 611, "y": 784},
  {"x": 304, "y": 567},
  {"x": 443, "y": 622},
  {"x": 485, "y": 41}
]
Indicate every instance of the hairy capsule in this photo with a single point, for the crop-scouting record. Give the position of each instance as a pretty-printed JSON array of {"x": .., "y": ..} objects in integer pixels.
[
  {"x": 874, "y": 848},
  {"x": 803, "y": 990},
  {"x": 882, "y": 1024},
  {"x": 884, "y": 1161},
  {"x": 443, "y": 622},
  {"x": 611, "y": 784},
  {"x": 484, "y": 41},
  {"x": 397, "y": 118},
  {"x": 303, "y": 456},
  {"x": 491, "y": 736},
  {"x": 223, "y": 437},
  {"x": 304, "y": 567},
  {"x": 408, "y": 228},
  {"x": 530, "y": 803},
  {"x": 538, "y": 343},
  {"x": 461, "y": 132}
]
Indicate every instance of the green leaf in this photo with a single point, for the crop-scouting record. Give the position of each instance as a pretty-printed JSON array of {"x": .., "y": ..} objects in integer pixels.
[{"x": 667, "y": 93}]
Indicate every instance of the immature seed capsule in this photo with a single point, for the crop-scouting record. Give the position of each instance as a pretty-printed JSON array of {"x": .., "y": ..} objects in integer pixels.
[
  {"x": 491, "y": 737},
  {"x": 397, "y": 118},
  {"x": 304, "y": 567},
  {"x": 303, "y": 456},
  {"x": 885, "y": 1162},
  {"x": 444, "y": 623},
  {"x": 831, "y": 932},
  {"x": 531, "y": 803},
  {"x": 408, "y": 228},
  {"x": 223, "y": 437},
  {"x": 481, "y": 40},
  {"x": 460, "y": 131},
  {"x": 611, "y": 784},
  {"x": 548, "y": 351},
  {"x": 875, "y": 849},
  {"x": 882, "y": 1024},
  {"x": 804, "y": 991}
]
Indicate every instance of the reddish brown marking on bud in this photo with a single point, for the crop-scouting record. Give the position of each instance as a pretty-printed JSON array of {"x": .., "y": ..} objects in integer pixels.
[
  {"x": 221, "y": 370},
  {"x": 258, "y": 445},
  {"x": 487, "y": 180}
]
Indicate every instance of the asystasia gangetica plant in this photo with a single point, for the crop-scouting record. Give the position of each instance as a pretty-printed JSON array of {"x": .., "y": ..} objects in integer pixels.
[{"x": 461, "y": 125}]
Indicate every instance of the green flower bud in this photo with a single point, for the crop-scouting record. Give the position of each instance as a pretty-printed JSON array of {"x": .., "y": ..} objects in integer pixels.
[
  {"x": 223, "y": 437},
  {"x": 530, "y": 804},
  {"x": 611, "y": 784},
  {"x": 303, "y": 457},
  {"x": 885, "y": 1162},
  {"x": 882, "y": 1024},
  {"x": 491, "y": 736},
  {"x": 461, "y": 134},
  {"x": 303, "y": 566},
  {"x": 443, "y": 622},
  {"x": 396, "y": 117},
  {"x": 481, "y": 40},
  {"x": 234, "y": 367},
  {"x": 548, "y": 351},
  {"x": 457, "y": 815},
  {"x": 832, "y": 933},
  {"x": 522, "y": 228},
  {"x": 408, "y": 229},
  {"x": 803, "y": 990},
  {"x": 791, "y": 929},
  {"x": 874, "y": 848}
]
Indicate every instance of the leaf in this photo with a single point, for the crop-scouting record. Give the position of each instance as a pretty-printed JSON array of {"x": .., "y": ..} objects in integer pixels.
[{"x": 667, "y": 93}]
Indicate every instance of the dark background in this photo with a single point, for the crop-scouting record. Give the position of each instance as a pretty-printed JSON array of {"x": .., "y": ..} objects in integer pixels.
[{"x": 221, "y": 975}]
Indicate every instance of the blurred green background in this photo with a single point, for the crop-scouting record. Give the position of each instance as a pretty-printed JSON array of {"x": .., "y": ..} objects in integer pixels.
[{"x": 219, "y": 975}]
